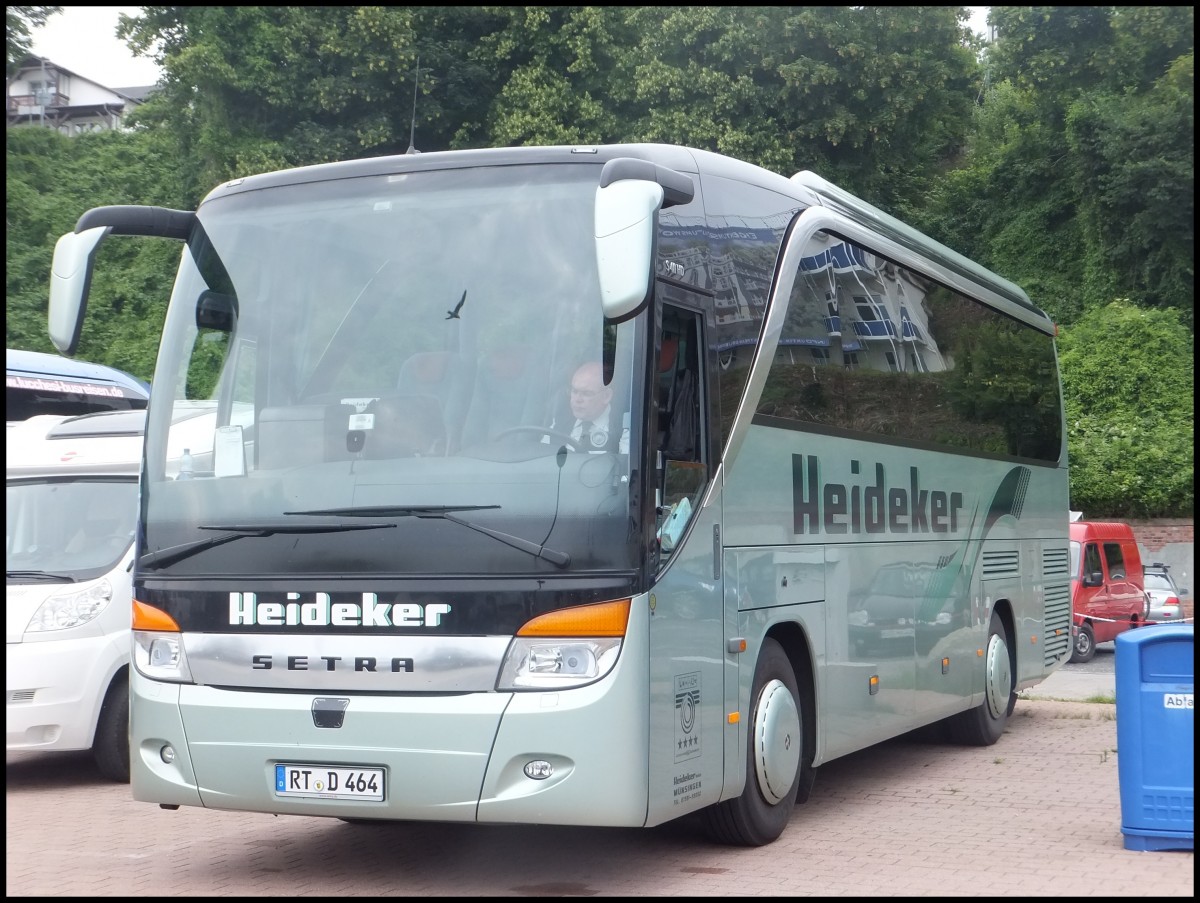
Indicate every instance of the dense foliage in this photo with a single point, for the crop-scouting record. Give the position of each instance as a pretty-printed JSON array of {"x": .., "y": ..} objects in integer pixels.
[
  {"x": 1061, "y": 155},
  {"x": 1128, "y": 386}
]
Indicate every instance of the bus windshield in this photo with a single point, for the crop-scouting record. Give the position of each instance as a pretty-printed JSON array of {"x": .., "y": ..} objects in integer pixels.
[{"x": 412, "y": 375}]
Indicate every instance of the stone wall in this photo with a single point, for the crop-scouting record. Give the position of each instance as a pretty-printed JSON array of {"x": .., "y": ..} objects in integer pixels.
[
  {"x": 1170, "y": 541},
  {"x": 1155, "y": 534}
]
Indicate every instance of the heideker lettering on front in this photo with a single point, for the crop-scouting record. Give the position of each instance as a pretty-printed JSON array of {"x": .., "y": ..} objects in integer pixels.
[{"x": 873, "y": 508}]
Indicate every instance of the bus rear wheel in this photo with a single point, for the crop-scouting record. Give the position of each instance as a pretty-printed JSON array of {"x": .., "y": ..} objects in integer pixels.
[
  {"x": 775, "y": 748},
  {"x": 984, "y": 724}
]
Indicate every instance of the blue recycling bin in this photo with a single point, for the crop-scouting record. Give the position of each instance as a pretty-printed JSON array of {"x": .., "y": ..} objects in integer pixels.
[{"x": 1156, "y": 676}]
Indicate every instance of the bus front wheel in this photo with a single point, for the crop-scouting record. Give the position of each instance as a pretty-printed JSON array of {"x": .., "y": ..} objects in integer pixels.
[{"x": 775, "y": 747}]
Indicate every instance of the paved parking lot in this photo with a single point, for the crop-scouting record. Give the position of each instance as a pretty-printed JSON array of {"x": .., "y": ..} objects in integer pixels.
[{"x": 1038, "y": 814}]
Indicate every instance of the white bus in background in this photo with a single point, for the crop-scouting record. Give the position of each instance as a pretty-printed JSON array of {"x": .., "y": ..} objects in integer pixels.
[
  {"x": 39, "y": 383},
  {"x": 825, "y": 502}
]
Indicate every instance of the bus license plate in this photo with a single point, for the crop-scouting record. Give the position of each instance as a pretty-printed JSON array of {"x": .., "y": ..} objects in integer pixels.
[{"x": 328, "y": 782}]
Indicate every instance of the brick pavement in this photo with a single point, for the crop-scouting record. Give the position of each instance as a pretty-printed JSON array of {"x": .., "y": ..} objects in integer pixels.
[{"x": 1036, "y": 814}]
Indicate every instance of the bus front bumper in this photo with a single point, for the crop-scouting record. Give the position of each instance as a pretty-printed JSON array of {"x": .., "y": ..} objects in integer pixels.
[{"x": 454, "y": 758}]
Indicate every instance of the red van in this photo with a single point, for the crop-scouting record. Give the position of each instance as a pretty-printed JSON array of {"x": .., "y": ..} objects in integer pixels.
[{"x": 1107, "y": 594}]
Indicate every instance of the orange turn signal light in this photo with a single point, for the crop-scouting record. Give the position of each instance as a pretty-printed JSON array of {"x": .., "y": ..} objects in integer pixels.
[
  {"x": 147, "y": 617},
  {"x": 600, "y": 619}
]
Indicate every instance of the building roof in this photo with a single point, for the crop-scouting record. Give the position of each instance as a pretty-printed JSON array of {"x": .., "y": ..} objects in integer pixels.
[{"x": 32, "y": 62}]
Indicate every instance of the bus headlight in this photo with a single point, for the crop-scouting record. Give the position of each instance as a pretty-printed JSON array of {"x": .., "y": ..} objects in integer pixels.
[
  {"x": 565, "y": 648},
  {"x": 71, "y": 609},
  {"x": 160, "y": 656},
  {"x": 540, "y": 663}
]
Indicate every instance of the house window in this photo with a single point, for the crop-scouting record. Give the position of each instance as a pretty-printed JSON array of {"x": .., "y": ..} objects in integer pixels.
[{"x": 42, "y": 91}]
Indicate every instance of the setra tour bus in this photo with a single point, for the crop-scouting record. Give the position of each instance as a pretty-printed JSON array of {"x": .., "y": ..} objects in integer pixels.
[{"x": 821, "y": 500}]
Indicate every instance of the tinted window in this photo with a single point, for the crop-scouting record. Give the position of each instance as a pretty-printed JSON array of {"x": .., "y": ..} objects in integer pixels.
[
  {"x": 870, "y": 347},
  {"x": 743, "y": 233},
  {"x": 1115, "y": 559}
]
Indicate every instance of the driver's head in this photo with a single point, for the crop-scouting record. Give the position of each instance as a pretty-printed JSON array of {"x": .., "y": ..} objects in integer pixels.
[{"x": 589, "y": 395}]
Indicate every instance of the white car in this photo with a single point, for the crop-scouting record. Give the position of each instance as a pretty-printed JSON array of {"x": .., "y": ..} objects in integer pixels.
[{"x": 1163, "y": 594}]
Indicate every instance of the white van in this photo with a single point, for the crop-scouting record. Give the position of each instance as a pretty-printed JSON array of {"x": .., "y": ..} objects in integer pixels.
[{"x": 70, "y": 514}]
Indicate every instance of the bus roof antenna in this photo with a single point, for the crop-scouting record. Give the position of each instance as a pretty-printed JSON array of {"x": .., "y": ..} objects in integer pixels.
[{"x": 412, "y": 130}]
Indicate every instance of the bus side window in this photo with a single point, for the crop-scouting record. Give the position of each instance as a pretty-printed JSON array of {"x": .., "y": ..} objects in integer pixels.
[
  {"x": 679, "y": 387},
  {"x": 683, "y": 474},
  {"x": 666, "y": 377}
]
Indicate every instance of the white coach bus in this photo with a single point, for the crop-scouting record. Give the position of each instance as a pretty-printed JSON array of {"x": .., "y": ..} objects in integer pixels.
[{"x": 822, "y": 501}]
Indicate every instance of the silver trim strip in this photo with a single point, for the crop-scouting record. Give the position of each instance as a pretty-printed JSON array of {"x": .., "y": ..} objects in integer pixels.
[{"x": 347, "y": 664}]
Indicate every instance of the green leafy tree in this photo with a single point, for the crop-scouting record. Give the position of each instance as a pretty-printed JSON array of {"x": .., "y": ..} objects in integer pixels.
[
  {"x": 1134, "y": 169},
  {"x": 873, "y": 98},
  {"x": 1054, "y": 50},
  {"x": 51, "y": 181},
  {"x": 1130, "y": 423},
  {"x": 1078, "y": 178},
  {"x": 1008, "y": 206},
  {"x": 252, "y": 89},
  {"x": 564, "y": 74}
]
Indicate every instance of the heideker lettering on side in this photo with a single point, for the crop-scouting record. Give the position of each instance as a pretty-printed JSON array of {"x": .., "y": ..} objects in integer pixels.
[{"x": 874, "y": 508}]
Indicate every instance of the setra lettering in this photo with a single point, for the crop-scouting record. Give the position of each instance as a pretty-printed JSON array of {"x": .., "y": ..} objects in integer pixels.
[{"x": 366, "y": 663}]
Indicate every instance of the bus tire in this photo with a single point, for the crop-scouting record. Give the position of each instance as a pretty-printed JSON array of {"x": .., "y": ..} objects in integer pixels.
[
  {"x": 110, "y": 747},
  {"x": 1084, "y": 647},
  {"x": 984, "y": 724},
  {"x": 774, "y": 754}
]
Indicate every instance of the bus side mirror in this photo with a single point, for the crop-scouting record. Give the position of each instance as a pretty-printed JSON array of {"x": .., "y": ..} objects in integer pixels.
[
  {"x": 70, "y": 279},
  {"x": 631, "y": 193},
  {"x": 626, "y": 219},
  {"x": 1095, "y": 578}
]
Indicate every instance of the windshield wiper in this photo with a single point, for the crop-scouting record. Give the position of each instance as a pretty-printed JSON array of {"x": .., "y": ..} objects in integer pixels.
[
  {"x": 443, "y": 512},
  {"x": 173, "y": 554},
  {"x": 41, "y": 575}
]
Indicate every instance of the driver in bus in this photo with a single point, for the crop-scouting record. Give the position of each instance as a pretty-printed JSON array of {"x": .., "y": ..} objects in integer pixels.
[{"x": 588, "y": 423}]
